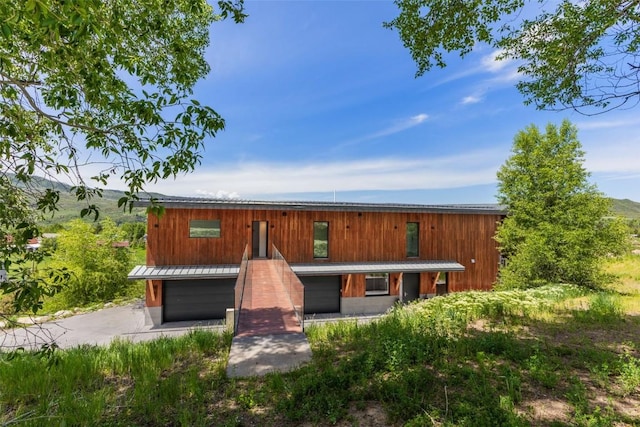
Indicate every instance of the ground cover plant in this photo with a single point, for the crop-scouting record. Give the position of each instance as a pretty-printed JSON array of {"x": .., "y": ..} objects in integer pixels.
[{"x": 553, "y": 355}]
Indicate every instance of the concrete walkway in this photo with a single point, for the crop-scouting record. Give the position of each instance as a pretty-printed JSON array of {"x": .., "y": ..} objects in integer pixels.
[{"x": 259, "y": 355}]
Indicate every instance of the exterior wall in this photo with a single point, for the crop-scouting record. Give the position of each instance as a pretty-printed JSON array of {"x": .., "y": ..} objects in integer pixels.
[
  {"x": 153, "y": 293},
  {"x": 367, "y": 305},
  {"x": 153, "y": 302},
  {"x": 353, "y": 237}
]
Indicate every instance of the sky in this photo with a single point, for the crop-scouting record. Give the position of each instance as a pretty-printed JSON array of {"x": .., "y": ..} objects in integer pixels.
[{"x": 322, "y": 103}]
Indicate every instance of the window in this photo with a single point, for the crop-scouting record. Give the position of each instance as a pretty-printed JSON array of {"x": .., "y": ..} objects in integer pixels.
[
  {"x": 204, "y": 228},
  {"x": 321, "y": 239},
  {"x": 377, "y": 284},
  {"x": 413, "y": 239}
]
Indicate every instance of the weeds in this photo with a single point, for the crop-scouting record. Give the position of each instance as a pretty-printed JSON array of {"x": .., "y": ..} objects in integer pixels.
[
  {"x": 604, "y": 308},
  {"x": 469, "y": 359},
  {"x": 629, "y": 374}
]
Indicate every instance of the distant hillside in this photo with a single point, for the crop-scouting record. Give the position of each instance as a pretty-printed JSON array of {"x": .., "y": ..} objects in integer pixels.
[
  {"x": 69, "y": 207},
  {"x": 627, "y": 208}
]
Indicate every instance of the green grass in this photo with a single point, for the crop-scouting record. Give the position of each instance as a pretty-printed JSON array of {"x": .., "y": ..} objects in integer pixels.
[{"x": 469, "y": 359}]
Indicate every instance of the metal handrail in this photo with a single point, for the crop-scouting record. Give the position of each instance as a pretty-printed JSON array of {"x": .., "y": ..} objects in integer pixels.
[
  {"x": 240, "y": 287},
  {"x": 292, "y": 284}
]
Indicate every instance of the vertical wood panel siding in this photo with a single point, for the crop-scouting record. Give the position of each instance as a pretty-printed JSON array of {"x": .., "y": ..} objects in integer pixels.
[
  {"x": 394, "y": 283},
  {"x": 353, "y": 285},
  {"x": 153, "y": 293},
  {"x": 353, "y": 237}
]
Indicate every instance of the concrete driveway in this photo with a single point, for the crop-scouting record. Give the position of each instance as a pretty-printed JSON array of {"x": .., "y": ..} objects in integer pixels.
[{"x": 98, "y": 328}]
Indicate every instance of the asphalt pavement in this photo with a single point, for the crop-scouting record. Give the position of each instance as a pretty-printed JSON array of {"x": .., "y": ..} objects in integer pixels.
[
  {"x": 97, "y": 328},
  {"x": 249, "y": 355}
]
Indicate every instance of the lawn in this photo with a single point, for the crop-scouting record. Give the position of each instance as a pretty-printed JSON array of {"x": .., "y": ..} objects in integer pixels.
[{"x": 550, "y": 356}]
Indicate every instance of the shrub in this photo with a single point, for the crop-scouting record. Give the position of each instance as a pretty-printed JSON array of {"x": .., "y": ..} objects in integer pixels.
[{"x": 99, "y": 270}]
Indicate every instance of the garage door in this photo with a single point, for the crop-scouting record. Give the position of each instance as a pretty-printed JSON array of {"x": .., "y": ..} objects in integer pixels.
[
  {"x": 197, "y": 299},
  {"x": 321, "y": 294}
]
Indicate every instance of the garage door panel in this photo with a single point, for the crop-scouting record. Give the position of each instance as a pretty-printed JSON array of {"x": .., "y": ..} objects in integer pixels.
[
  {"x": 321, "y": 294},
  {"x": 197, "y": 299}
]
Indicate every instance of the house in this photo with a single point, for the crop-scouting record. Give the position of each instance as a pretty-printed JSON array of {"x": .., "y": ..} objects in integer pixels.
[{"x": 352, "y": 258}]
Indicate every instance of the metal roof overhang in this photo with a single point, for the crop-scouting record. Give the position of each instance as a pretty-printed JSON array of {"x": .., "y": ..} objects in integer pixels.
[
  {"x": 195, "y": 203},
  {"x": 181, "y": 272},
  {"x": 177, "y": 272},
  {"x": 375, "y": 267}
]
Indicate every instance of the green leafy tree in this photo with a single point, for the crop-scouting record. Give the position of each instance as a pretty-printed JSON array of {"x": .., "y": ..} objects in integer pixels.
[
  {"x": 98, "y": 269},
  {"x": 558, "y": 228},
  {"x": 134, "y": 231},
  {"x": 96, "y": 85},
  {"x": 572, "y": 54},
  {"x": 26, "y": 286}
]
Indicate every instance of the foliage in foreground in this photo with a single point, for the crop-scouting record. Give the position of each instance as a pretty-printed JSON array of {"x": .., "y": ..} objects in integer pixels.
[
  {"x": 98, "y": 268},
  {"x": 556, "y": 230},
  {"x": 468, "y": 359},
  {"x": 581, "y": 55},
  {"x": 91, "y": 90}
]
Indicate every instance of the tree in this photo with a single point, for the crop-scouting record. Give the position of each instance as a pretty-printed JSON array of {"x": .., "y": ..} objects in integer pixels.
[
  {"x": 579, "y": 55},
  {"x": 98, "y": 270},
  {"x": 557, "y": 229},
  {"x": 101, "y": 83},
  {"x": 134, "y": 232}
]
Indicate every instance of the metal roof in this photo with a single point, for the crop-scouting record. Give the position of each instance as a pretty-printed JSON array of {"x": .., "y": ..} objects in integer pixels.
[
  {"x": 323, "y": 206},
  {"x": 375, "y": 267},
  {"x": 177, "y": 272},
  {"x": 183, "y": 272}
]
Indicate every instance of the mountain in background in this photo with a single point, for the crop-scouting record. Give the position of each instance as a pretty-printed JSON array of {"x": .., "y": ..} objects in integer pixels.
[
  {"x": 69, "y": 207},
  {"x": 627, "y": 208}
]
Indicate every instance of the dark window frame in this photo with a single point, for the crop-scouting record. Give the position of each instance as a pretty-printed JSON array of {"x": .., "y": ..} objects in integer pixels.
[
  {"x": 412, "y": 242},
  {"x": 320, "y": 251},
  {"x": 204, "y": 229}
]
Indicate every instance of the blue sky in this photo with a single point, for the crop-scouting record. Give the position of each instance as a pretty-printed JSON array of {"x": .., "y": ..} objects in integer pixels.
[{"x": 318, "y": 97}]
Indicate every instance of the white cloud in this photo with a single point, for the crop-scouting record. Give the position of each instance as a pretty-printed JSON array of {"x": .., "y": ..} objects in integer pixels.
[
  {"x": 471, "y": 99},
  {"x": 472, "y": 168},
  {"x": 502, "y": 69},
  {"x": 619, "y": 157},
  {"x": 399, "y": 126},
  {"x": 490, "y": 63},
  {"x": 612, "y": 147},
  {"x": 396, "y": 127},
  {"x": 606, "y": 124},
  {"x": 615, "y": 159},
  {"x": 220, "y": 194}
]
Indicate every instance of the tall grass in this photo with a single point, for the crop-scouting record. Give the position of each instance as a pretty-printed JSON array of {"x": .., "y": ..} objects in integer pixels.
[
  {"x": 155, "y": 382},
  {"x": 472, "y": 359}
]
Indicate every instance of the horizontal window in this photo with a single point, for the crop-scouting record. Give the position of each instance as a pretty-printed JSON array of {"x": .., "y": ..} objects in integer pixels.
[
  {"x": 204, "y": 228},
  {"x": 377, "y": 284}
]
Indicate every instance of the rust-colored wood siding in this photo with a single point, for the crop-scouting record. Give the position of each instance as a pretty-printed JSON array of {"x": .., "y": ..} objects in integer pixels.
[
  {"x": 353, "y": 237},
  {"x": 153, "y": 293}
]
